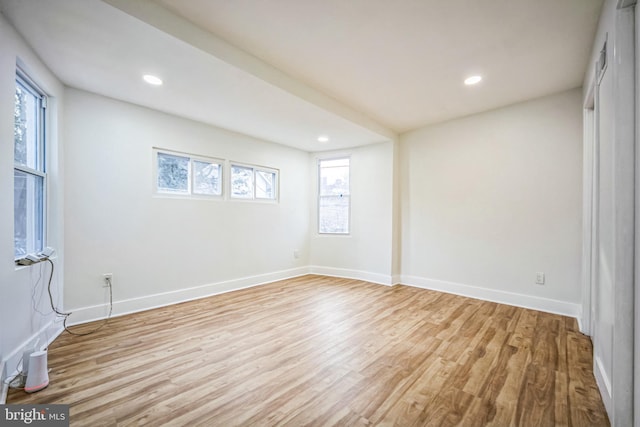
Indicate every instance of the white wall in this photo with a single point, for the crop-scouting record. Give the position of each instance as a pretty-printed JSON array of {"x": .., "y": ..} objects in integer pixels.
[
  {"x": 163, "y": 250},
  {"x": 25, "y": 315},
  {"x": 491, "y": 199},
  {"x": 366, "y": 253}
]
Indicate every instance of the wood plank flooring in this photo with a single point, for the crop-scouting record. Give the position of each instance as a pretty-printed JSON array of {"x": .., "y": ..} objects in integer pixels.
[{"x": 324, "y": 351}]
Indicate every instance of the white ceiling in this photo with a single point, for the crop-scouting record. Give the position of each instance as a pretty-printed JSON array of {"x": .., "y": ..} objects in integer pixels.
[
  {"x": 360, "y": 71},
  {"x": 403, "y": 62}
]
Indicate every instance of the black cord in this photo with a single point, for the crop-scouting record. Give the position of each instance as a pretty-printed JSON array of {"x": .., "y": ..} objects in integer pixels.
[
  {"x": 9, "y": 381},
  {"x": 66, "y": 315},
  {"x": 53, "y": 307}
]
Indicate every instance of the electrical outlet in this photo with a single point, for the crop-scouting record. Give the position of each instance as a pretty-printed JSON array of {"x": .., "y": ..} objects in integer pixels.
[
  {"x": 107, "y": 278},
  {"x": 296, "y": 254},
  {"x": 540, "y": 278}
]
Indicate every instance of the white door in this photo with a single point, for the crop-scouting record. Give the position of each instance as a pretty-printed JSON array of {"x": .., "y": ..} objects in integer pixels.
[{"x": 613, "y": 239}]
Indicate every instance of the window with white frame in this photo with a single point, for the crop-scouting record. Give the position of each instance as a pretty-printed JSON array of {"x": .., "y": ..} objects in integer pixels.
[
  {"x": 334, "y": 196},
  {"x": 187, "y": 175},
  {"x": 253, "y": 182},
  {"x": 29, "y": 174}
]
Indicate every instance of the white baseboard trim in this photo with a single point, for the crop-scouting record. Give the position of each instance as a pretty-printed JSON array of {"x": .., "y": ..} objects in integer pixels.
[
  {"x": 503, "y": 297},
  {"x": 380, "y": 279},
  {"x": 133, "y": 305},
  {"x": 604, "y": 384},
  {"x": 581, "y": 326},
  {"x": 39, "y": 341},
  {"x": 583, "y": 322},
  {"x": 148, "y": 302}
]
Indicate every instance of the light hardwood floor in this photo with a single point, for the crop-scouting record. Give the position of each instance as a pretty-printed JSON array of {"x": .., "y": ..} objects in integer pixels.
[{"x": 326, "y": 351}]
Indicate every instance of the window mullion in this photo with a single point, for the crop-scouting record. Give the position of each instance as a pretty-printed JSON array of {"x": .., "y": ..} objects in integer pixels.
[{"x": 190, "y": 177}]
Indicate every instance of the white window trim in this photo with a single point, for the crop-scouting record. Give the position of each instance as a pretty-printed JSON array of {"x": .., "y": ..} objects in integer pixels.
[
  {"x": 41, "y": 171},
  {"x": 189, "y": 194},
  {"x": 319, "y": 182},
  {"x": 254, "y": 168}
]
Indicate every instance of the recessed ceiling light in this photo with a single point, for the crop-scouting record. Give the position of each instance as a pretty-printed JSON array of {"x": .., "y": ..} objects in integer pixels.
[
  {"x": 323, "y": 138},
  {"x": 472, "y": 80},
  {"x": 152, "y": 80}
]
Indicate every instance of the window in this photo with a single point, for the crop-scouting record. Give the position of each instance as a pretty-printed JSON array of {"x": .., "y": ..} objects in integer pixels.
[
  {"x": 241, "y": 182},
  {"x": 183, "y": 174},
  {"x": 265, "y": 184},
  {"x": 333, "y": 196},
  {"x": 29, "y": 176},
  {"x": 207, "y": 178},
  {"x": 173, "y": 173},
  {"x": 253, "y": 182}
]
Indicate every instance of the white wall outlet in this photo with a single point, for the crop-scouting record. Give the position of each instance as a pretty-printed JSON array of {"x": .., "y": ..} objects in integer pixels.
[
  {"x": 107, "y": 279},
  {"x": 296, "y": 254},
  {"x": 540, "y": 278}
]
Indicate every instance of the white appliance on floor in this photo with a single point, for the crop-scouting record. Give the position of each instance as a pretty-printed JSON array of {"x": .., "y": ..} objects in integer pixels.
[{"x": 38, "y": 375}]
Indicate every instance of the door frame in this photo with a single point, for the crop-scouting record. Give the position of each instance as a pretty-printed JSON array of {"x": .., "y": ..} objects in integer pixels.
[{"x": 589, "y": 208}]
